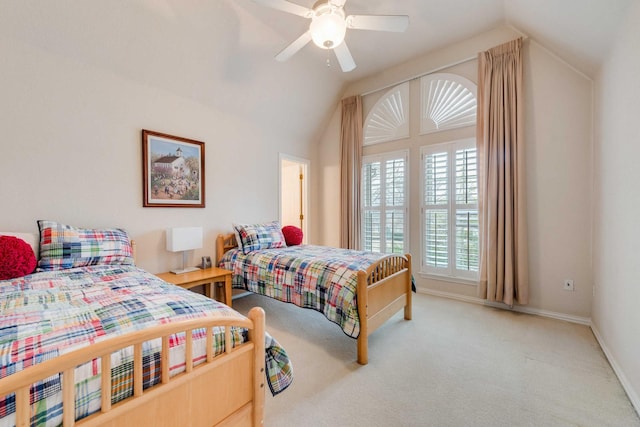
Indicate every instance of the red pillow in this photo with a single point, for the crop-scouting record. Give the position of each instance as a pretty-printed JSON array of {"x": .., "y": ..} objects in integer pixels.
[
  {"x": 292, "y": 235},
  {"x": 16, "y": 258}
]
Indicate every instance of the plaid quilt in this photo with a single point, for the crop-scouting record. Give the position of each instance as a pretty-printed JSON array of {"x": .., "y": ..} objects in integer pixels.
[
  {"x": 316, "y": 277},
  {"x": 50, "y": 313}
]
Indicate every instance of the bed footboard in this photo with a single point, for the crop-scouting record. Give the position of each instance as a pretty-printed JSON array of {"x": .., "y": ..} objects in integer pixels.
[
  {"x": 383, "y": 289},
  {"x": 227, "y": 389}
]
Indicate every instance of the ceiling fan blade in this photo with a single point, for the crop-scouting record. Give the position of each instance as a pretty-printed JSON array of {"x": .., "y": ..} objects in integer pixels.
[
  {"x": 395, "y": 23},
  {"x": 344, "y": 57},
  {"x": 338, "y": 3},
  {"x": 287, "y": 6},
  {"x": 297, "y": 44}
]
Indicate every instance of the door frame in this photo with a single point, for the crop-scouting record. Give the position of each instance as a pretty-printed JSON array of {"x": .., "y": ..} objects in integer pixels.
[{"x": 306, "y": 164}]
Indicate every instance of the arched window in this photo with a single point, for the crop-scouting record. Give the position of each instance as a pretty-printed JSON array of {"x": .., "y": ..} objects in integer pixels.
[
  {"x": 388, "y": 120},
  {"x": 448, "y": 101}
]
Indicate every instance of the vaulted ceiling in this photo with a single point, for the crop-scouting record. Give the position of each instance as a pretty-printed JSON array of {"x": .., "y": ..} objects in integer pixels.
[{"x": 220, "y": 52}]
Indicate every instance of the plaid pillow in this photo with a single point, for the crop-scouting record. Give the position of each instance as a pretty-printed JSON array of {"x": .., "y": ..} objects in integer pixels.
[
  {"x": 254, "y": 237},
  {"x": 63, "y": 246}
]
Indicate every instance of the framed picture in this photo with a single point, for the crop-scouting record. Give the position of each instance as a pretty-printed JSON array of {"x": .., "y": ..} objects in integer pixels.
[{"x": 172, "y": 171}]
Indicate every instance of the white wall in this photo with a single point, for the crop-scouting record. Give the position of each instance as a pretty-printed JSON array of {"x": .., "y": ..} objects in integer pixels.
[
  {"x": 616, "y": 261},
  {"x": 558, "y": 137},
  {"x": 326, "y": 184},
  {"x": 71, "y": 150}
]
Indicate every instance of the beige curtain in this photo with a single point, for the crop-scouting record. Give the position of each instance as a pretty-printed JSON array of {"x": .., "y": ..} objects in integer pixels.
[
  {"x": 502, "y": 208},
  {"x": 350, "y": 164}
]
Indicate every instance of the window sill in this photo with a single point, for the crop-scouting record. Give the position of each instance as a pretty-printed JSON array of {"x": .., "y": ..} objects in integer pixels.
[{"x": 442, "y": 278}]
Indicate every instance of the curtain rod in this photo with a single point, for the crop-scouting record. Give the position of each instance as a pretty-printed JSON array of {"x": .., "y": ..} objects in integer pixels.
[{"x": 435, "y": 70}]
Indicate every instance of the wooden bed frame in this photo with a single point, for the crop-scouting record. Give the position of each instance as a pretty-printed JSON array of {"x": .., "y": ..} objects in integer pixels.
[
  {"x": 225, "y": 390},
  {"x": 382, "y": 290}
]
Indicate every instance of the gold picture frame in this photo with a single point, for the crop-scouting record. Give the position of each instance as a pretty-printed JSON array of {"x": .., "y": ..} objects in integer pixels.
[{"x": 172, "y": 171}]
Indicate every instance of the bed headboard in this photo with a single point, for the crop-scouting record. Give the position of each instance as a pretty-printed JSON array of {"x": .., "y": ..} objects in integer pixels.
[{"x": 224, "y": 243}]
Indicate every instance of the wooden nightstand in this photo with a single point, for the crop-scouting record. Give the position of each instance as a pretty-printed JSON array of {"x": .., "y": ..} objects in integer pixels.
[{"x": 207, "y": 277}]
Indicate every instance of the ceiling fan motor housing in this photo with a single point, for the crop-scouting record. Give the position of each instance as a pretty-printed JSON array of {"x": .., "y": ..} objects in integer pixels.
[{"x": 328, "y": 25}]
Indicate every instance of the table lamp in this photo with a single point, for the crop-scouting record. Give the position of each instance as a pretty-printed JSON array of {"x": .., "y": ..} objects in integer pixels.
[{"x": 184, "y": 239}]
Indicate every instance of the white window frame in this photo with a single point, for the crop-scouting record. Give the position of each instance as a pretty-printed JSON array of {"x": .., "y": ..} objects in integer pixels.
[
  {"x": 450, "y": 273},
  {"x": 382, "y": 158}
]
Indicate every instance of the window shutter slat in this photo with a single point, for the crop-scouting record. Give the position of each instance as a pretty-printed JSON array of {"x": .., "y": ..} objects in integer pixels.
[
  {"x": 466, "y": 176},
  {"x": 372, "y": 231},
  {"x": 371, "y": 184},
  {"x": 437, "y": 238},
  {"x": 395, "y": 179},
  {"x": 436, "y": 179},
  {"x": 467, "y": 239},
  {"x": 394, "y": 231}
]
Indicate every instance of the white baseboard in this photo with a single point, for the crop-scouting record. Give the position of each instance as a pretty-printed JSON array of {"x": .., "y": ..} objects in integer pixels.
[
  {"x": 519, "y": 308},
  {"x": 626, "y": 385}
]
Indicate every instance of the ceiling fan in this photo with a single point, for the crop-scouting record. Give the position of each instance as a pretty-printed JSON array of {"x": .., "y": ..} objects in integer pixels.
[{"x": 329, "y": 25}]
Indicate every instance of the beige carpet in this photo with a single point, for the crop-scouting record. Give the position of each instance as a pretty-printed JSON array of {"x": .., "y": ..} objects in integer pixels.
[{"x": 455, "y": 364}]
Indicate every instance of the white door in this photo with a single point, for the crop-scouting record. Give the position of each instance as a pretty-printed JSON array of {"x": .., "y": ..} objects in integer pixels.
[{"x": 294, "y": 190}]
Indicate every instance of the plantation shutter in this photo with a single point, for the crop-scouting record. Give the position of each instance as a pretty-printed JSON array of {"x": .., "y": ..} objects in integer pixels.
[
  {"x": 385, "y": 203},
  {"x": 450, "y": 209},
  {"x": 467, "y": 256},
  {"x": 371, "y": 187},
  {"x": 395, "y": 206},
  {"x": 436, "y": 196}
]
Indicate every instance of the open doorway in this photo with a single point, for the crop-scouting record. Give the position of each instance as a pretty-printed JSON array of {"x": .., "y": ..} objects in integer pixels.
[{"x": 294, "y": 193}]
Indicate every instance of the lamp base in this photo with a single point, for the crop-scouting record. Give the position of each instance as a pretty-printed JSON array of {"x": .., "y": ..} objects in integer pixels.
[{"x": 185, "y": 270}]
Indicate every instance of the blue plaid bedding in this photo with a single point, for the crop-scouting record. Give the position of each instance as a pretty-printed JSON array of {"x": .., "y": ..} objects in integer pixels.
[
  {"x": 316, "y": 277},
  {"x": 50, "y": 313}
]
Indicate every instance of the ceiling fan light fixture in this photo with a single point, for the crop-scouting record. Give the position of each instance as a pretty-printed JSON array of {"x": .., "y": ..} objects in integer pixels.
[{"x": 328, "y": 28}]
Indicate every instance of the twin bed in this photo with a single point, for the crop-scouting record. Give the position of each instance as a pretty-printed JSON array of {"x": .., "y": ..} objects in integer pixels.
[
  {"x": 172, "y": 357},
  {"x": 357, "y": 290}
]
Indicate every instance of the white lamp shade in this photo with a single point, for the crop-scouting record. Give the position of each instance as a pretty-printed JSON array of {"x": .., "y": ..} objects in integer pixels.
[{"x": 184, "y": 238}]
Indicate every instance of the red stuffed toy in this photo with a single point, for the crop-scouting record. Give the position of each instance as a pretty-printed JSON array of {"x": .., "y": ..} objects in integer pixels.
[
  {"x": 292, "y": 235},
  {"x": 16, "y": 258}
]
